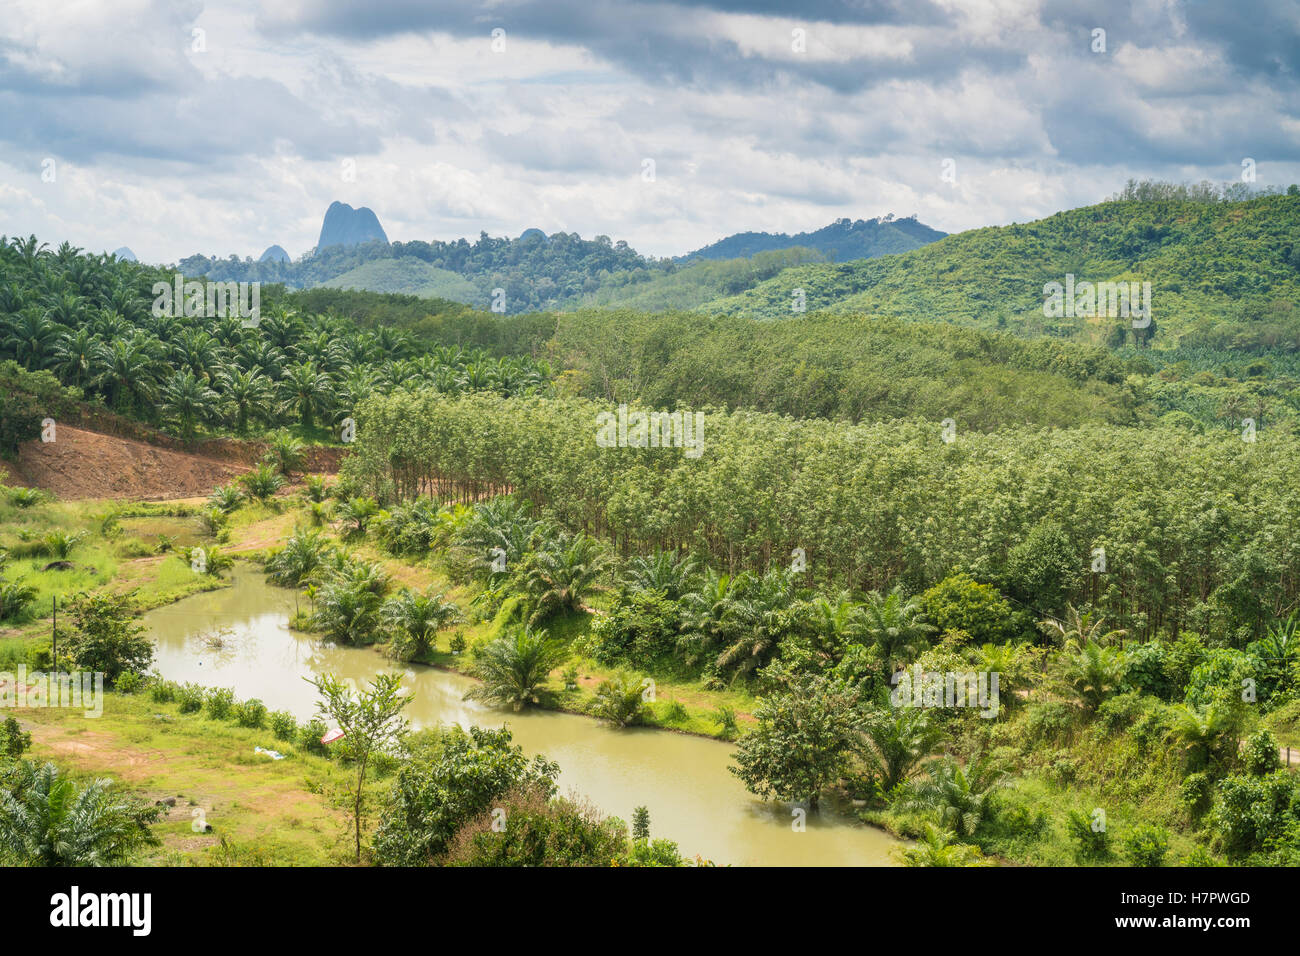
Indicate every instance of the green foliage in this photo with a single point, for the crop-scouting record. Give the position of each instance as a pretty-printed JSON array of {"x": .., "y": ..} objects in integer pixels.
[
  {"x": 1259, "y": 757},
  {"x": 959, "y": 603},
  {"x": 1091, "y": 839},
  {"x": 640, "y": 631},
  {"x": 14, "y": 741},
  {"x": 105, "y": 639},
  {"x": 515, "y": 666},
  {"x": 220, "y": 703},
  {"x": 620, "y": 700},
  {"x": 539, "y": 832},
  {"x": 46, "y": 820},
  {"x": 1146, "y": 845},
  {"x": 803, "y": 743},
  {"x": 447, "y": 783}
]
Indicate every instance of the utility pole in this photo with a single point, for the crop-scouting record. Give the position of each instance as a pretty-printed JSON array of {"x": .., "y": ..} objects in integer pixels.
[{"x": 54, "y": 636}]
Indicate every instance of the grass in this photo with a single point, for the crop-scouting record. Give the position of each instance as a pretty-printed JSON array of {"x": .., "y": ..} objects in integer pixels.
[{"x": 281, "y": 812}]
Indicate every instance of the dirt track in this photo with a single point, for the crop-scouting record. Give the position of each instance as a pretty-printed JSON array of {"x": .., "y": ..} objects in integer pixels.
[{"x": 86, "y": 464}]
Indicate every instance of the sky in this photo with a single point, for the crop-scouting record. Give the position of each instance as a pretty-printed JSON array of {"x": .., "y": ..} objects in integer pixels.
[{"x": 177, "y": 127}]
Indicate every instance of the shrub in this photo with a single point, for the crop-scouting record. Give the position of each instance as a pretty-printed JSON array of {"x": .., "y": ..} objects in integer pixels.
[
  {"x": 1250, "y": 811},
  {"x": 220, "y": 703},
  {"x": 251, "y": 713},
  {"x": 190, "y": 698},
  {"x": 130, "y": 682},
  {"x": 959, "y": 603},
  {"x": 620, "y": 700},
  {"x": 1147, "y": 845},
  {"x": 640, "y": 630},
  {"x": 283, "y": 725},
  {"x": 309, "y": 736},
  {"x": 725, "y": 715},
  {"x": 162, "y": 691},
  {"x": 13, "y": 739},
  {"x": 106, "y": 639},
  {"x": 1260, "y": 756},
  {"x": 1091, "y": 841}
]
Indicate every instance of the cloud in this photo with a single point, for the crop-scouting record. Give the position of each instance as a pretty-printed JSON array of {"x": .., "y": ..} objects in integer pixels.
[{"x": 232, "y": 138}]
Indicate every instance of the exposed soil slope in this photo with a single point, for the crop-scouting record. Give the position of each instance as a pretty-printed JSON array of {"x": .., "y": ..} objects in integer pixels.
[{"x": 86, "y": 464}]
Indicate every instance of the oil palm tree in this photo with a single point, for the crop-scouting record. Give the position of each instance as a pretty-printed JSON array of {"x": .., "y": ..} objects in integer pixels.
[
  {"x": 515, "y": 666},
  {"x": 895, "y": 624},
  {"x": 246, "y": 393},
  {"x": 957, "y": 796},
  {"x": 187, "y": 402},
  {"x": 558, "y": 577},
  {"x": 936, "y": 848},
  {"x": 1092, "y": 672},
  {"x": 667, "y": 572},
  {"x": 307, "y": 392},
  {"x": 898, "y": 740},
  {"x": 1080, "y": 628},
  {"x": 415, "y": 620},
  {"x": 45, "y": 820}
]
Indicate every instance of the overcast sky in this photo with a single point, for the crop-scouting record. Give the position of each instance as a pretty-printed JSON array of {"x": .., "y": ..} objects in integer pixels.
[{"x": 173, "y": 141}]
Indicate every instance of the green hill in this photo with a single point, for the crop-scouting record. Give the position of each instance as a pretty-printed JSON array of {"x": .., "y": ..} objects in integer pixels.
[
  {"x": 1222, "y": 274},
  {"x": 408, "y": 276}
]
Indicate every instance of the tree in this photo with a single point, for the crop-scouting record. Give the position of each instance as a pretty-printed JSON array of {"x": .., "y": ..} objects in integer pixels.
[
  {"x": 415, "y": 620},
  {"x": 451, "y": 776},
  {"x": 514, "y": 667},
  {"x": 371, "y": 722},
  {"x": 560, "y": 576},
  {"x": 45, "y": 820},
  {"x": 804, "y": 741},
  {"x": 1092, "y": 672},
  {"x": 105, "y": 639},
  {"x": 187, "y": 402},
  {"x": 958, "y": 796},
  {"x": 285, "y": 452},
  {"x": 1207, "y": 736},
  {"x": 898, "y": 740},
  {"x": 896, "y": 625}
]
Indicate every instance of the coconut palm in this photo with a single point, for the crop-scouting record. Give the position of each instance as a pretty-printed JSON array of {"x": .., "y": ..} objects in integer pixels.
[
  {"x": 45, "y": 820},
  {"x": 515, "y": 666},
  {"x": 1080, "y": 628}
]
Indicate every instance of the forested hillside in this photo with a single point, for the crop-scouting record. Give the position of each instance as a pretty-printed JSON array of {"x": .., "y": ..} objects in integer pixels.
[
  {"x": 841, "y": 241},
  {"x": 1223, "y": 273}
]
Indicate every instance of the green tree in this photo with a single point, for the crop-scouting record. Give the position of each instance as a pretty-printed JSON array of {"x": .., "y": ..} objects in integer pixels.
[
  {"x": 371, "y": 721},
  {"x": 515, "y": 666}
]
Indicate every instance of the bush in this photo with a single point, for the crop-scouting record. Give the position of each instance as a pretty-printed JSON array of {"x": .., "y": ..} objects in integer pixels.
[
  {"x": 162, "y": 691},
  {"x": 1251, "y": 811},
  {"x": 190, "y": 698},
  {"x": 959, "y": 603},
  {"x": 283, "y": 726},
  {"x": 13, "y": 739},
  {"x": 1091, "y": 841},
  {"x": 1147, "y": 845},
  {"x": 251, "y": 713},
  {"x": 1260, "y": 756},
  {"x": 220, "y": 703},
  {"x": 106, "y": 639},
  {"x": 309, "y": 736},
  {"x": 619, "y": 700},
  {"x": 640, "y": 631},
  {"x": 130, "y": 682}
]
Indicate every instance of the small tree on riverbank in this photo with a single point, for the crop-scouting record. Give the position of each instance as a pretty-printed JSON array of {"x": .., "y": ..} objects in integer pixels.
[{"x": 371, "y": 722}]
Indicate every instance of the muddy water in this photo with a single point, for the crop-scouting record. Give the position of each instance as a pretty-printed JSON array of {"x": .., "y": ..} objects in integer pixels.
[{"x": 683, "y": 780}]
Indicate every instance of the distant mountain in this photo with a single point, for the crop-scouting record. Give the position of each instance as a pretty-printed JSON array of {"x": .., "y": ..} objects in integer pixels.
[
  {"x": 274, "y": 254},
  {"x": 345, "y": 226},
  {"x": 841, "y": 241},
  {"x": 125, "y": 254}
]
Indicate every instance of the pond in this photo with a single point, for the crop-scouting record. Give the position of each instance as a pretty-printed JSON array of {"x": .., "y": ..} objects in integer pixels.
[{"x": 683, "y": 780}]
